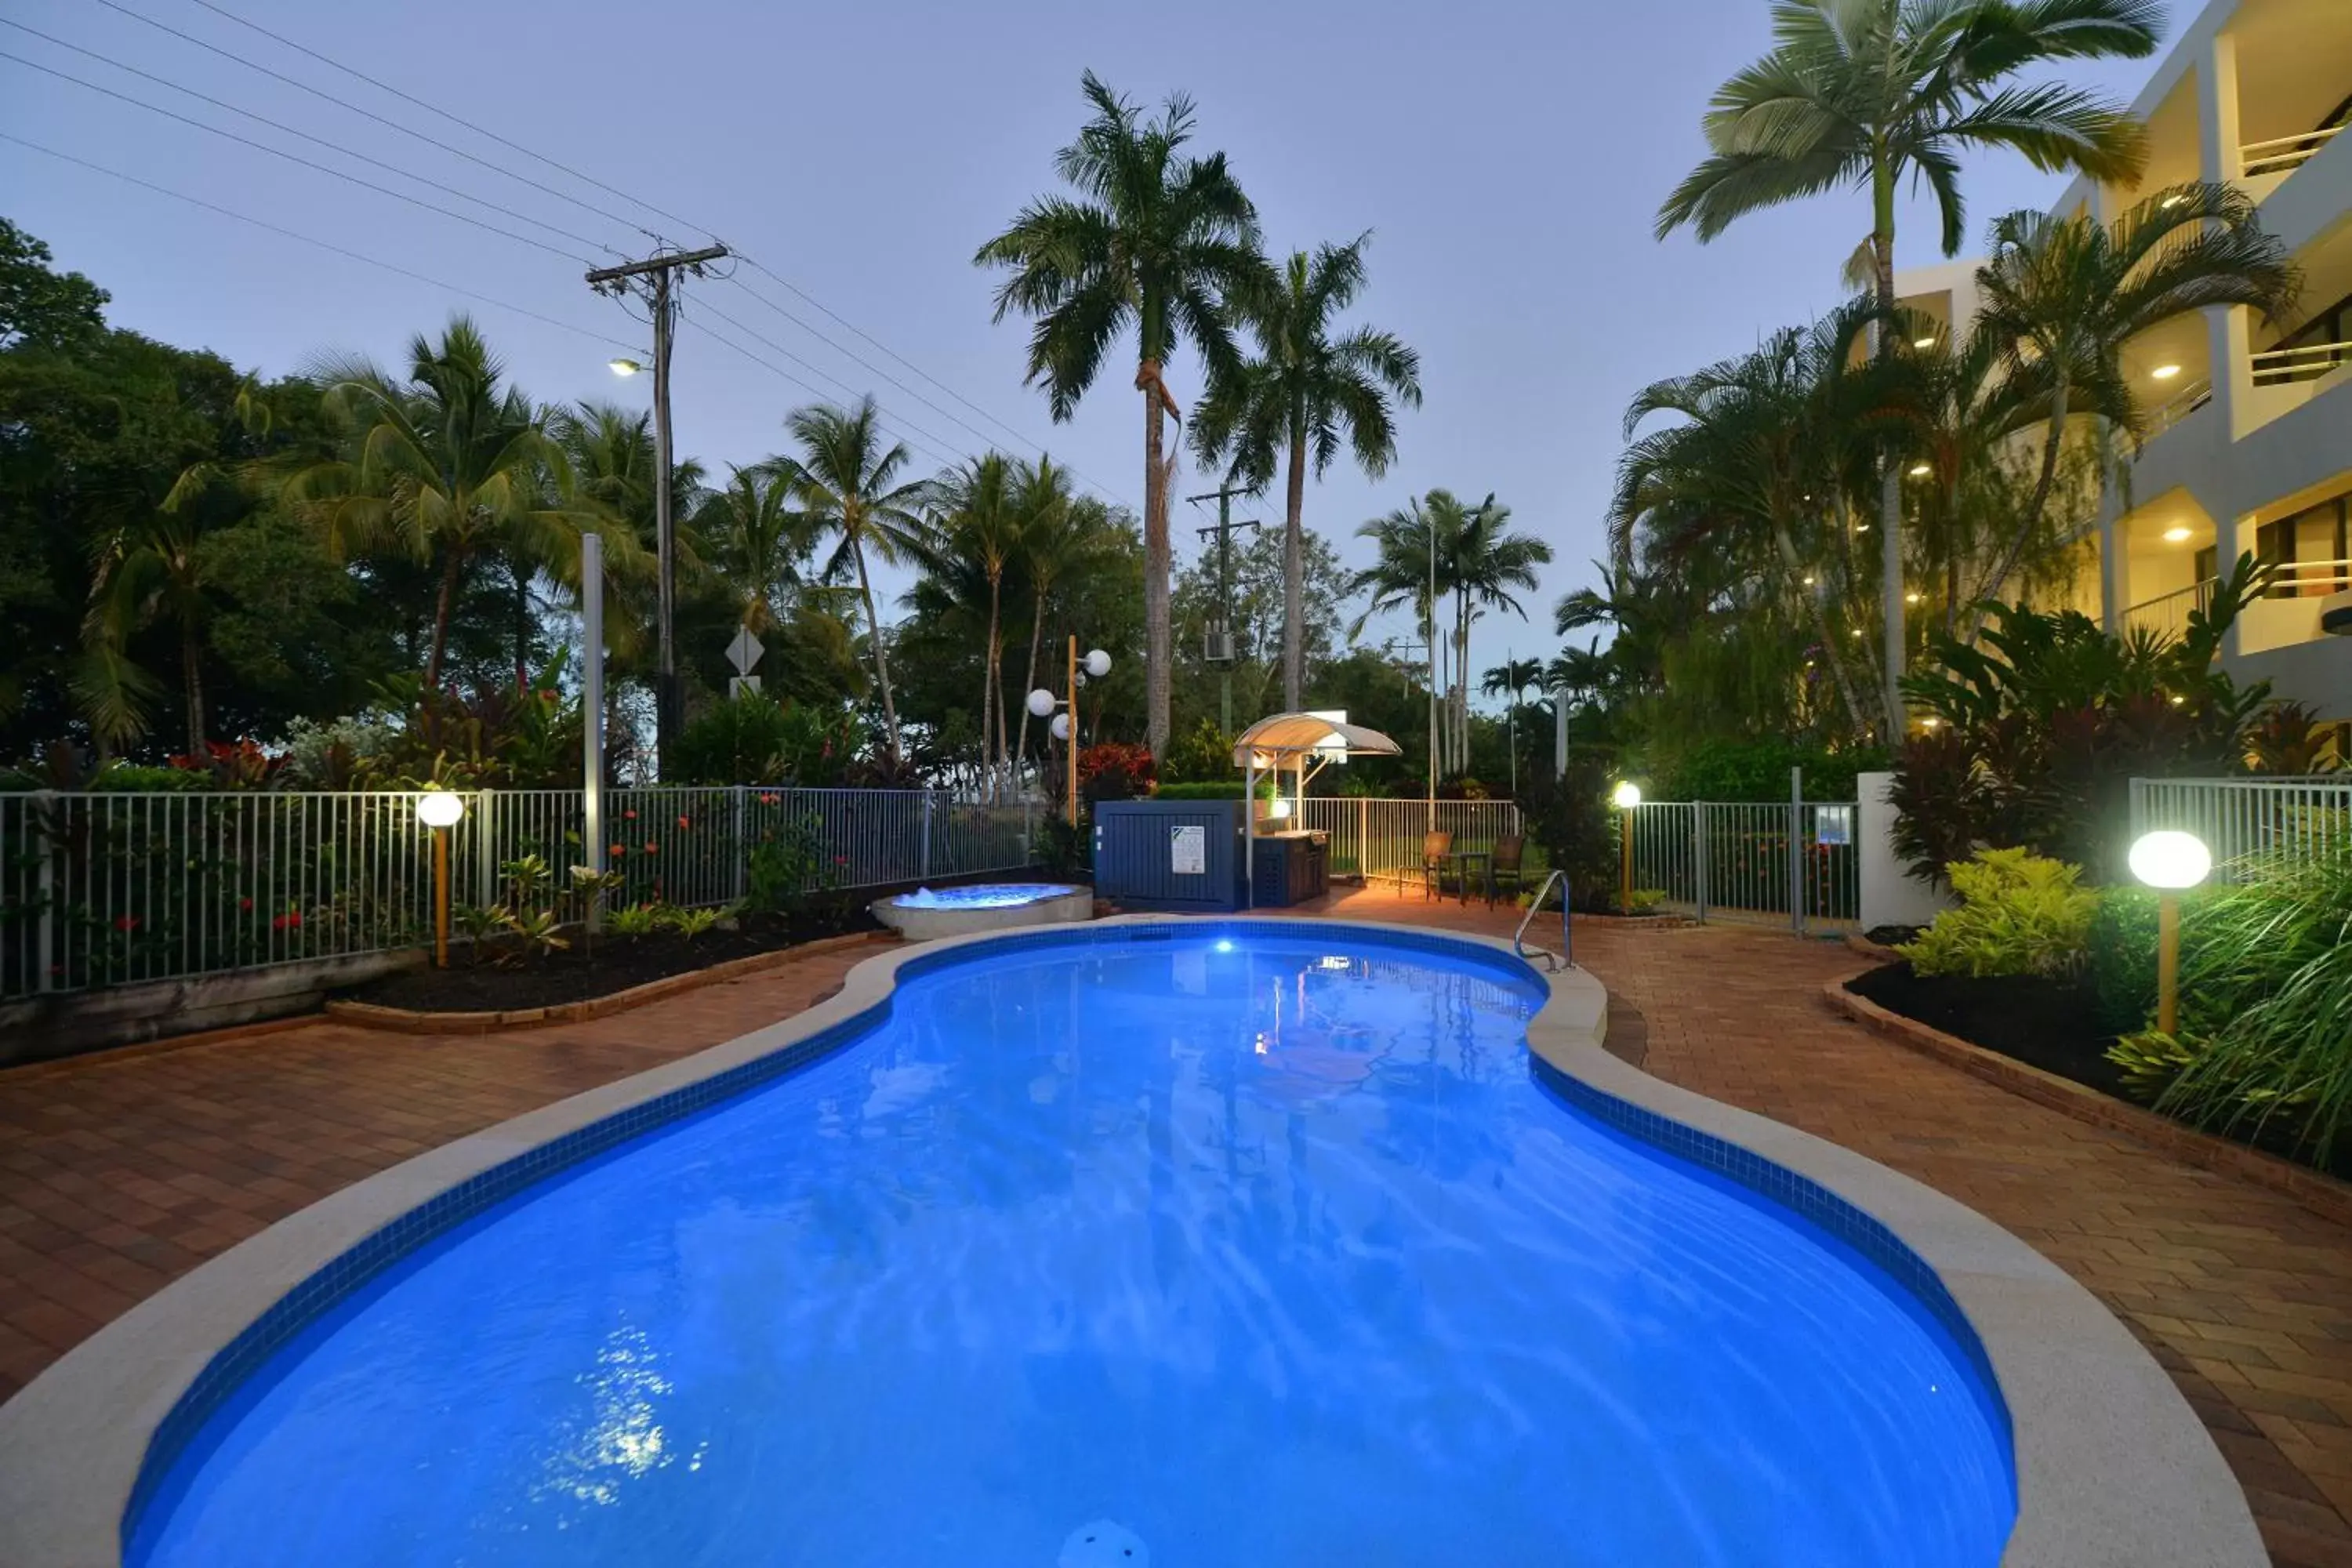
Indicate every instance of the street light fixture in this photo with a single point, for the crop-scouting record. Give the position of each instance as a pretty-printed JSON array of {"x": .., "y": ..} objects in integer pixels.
[
  {"x": 1627, "y": 796},
  {"x": 2170, "y": 862},
  {"x": 624, "y": 365},
  {"x": 1064, "y": 726},
  {"x": 440, "y": 811}
]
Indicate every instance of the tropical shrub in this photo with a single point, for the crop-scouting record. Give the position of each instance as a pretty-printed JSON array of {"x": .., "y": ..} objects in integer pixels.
[
  {"x": 754, "y": 739},
  {"x": 2035, "y": 732},
  {"x": 2020, "y": 913},
  {"x": 1112, "y": 770},
  {"x": 1572, "y": 821},
  {"x": 692, "y": 923},
  {"x": 1202, "y": 754},
  {"x": 2264, "y": 1044},
  {"x": 637, "y": 919},
  {"x": 788, "y": 863},
  {"x": 2122, "y": 970},
  {"x": 1757, "y": 771}
]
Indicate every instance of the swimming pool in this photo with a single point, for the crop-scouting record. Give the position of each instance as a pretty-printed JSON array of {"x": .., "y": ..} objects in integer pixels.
[{"x": 1235, "y": 1247}]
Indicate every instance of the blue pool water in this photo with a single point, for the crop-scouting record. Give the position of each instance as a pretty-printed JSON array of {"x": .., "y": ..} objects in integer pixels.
[
  {"x": 1239, "y": 1251},
  {"x": 983, "y": 896}
]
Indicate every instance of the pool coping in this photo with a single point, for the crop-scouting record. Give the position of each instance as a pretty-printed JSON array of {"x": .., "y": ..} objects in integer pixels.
[{"x": 2113, "y": 1466}]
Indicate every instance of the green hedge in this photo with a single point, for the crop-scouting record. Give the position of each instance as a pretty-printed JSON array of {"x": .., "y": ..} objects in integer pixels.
[{"x": 1754, "y": 771}]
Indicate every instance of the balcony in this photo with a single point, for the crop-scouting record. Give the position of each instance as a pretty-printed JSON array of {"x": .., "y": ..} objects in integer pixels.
[
  {"x": 2167, "y": 614},
  {"x": 2268, "y": 164}
]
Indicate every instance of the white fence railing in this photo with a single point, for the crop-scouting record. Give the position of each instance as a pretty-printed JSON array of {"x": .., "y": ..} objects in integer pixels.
[
  {"x": 2285, "y": 154},
  {"x": 107, "y": 889},
  {"x": 1715, "y": 860},
  {"x": 2241, "y": 818},
  {"x": 2167, "y": 614},
  {"x": 1373, "y": 838}
]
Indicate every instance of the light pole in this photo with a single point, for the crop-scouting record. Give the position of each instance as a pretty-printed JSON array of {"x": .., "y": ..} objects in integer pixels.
[
  {"x": 2171, "y": 863},
  {"x": 1627, "y": 798},
  {"x": 1064, "y": 726},
  {"x": 440, "y": 811}
]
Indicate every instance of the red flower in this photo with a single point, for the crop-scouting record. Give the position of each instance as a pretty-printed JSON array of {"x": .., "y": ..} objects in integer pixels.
[
  {"x": 126, "y": 922},
  {"x": 683, "y": 822},
  {"x": 617, "y": 850},
  {"x": 278, "y": 924},
  {"x": 244, "y": 904},
  {"x": 652, "y": 848},
  {"x": 628, "y": 816},
  {"x": 841, "y": 859},
  {"x": 767, "y": 800},
  {"x": 547, "y": 697},
  {"x": 294, "y": 918}
]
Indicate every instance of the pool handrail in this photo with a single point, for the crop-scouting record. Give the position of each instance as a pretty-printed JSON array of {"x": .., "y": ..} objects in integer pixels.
[{"x": 1566, "y": 955}]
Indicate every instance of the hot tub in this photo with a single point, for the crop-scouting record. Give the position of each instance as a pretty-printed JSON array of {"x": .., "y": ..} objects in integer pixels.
[{"x": 930, "y": 912}]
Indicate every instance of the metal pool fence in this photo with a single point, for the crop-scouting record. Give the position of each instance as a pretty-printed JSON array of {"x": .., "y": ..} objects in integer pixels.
[
  {"x": 107, "y": 889},
  {"x": 1735, "y": 860},
  {"x": 2242, "y": 818},
  {"x": 1383, "y": 837}
]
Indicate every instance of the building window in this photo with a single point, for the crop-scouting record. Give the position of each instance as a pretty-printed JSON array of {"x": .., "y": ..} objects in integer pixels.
[
  {"x": 2309, "y": 549},
  {"x": 2321, "y": 341}
]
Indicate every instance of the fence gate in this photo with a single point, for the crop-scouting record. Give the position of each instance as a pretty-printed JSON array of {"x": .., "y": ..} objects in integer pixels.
[{"x": 1745, "y": 861}]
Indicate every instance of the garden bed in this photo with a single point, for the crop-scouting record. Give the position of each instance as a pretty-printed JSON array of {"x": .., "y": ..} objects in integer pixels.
[
  {"x": 579, "y": 973},
  {"x": 2052, "y": 1025}
]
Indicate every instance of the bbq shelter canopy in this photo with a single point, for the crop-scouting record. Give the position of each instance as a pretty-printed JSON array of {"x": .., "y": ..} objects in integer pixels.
[{"x": 1301, "y": 744}]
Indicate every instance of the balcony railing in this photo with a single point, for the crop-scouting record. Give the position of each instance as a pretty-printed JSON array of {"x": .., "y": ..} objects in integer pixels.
[
  {"x": 2187, "y": 400},
  {"x": 2167, "y": 614},
  {"x": 2309, "y": 361},
  {"x": 2285, "y": 154},
  {"x": 2308, "y": 579}
]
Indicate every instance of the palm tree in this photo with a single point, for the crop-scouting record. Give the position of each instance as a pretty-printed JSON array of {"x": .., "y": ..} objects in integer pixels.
[
  {"x": 846, "y": 485},
  {"x": 976, "y": 529},
  {"x": 1062, "y": 539},
  {"x": 1763, "y": 456},
  {"x": 449, "y": 466},
  {"x": 1410, "y": 545},
  {"x": 152, "y": 568},
  {"x": 751, "y": 536},
  {"x": 2069, "y": 293},
  {"x": 1489, "y": 563},
  {"x": 1302, "y": 394},
  {"x": 1153, "y": 238},
  {"x": 612, "y": 453},
  {"x": 1861, "y": 93}
]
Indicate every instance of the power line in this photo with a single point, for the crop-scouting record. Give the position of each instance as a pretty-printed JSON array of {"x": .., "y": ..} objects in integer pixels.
[
  {"x": 298, "y": 158},
  {"x": 848, "y": 391},
  {"x": 588, "y": 179},
  {"x": 370, "y": 114},
  {"x": 308, "y": 239},
  {"x": 831, "y": 314},
  {"x": 293, "y": 130},
  {"x": 436, "y": 109},
  {"x": 770, "y": 366}
]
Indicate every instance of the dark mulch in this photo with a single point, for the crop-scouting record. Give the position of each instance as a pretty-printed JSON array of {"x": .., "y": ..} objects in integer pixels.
[
  {"x": 614, "y": 963},
  {"x": 2052, "y": 1024}
]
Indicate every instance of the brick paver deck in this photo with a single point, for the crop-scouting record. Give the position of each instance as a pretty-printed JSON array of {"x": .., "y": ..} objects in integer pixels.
[{"x": 123, "y": 1173}]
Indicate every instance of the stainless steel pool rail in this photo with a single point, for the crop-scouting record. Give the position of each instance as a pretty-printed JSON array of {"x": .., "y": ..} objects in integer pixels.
[{"x": 1552, "y": 960}]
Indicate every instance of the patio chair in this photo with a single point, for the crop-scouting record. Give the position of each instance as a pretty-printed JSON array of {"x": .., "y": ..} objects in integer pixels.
[
  {"x": 1509, "y": 862},
  {"x": 1434, "y": 847}
]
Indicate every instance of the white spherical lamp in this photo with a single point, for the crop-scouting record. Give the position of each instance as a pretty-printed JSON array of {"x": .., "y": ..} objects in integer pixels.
[
  {"x": 1097, "y": 664},
  {"x": 1061, "y": 726},
  {"x": 2170, "y": 861},
  {"x": 439, "y": 808},
  {"x": 1041, "y": 702},
  {"x": 1626, "y": 796}
]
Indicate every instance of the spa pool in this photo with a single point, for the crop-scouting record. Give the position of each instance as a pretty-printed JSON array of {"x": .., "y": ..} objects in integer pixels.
[
  {"x": 931, "y": 912},
  {"x": 1213, "y": 1245}
]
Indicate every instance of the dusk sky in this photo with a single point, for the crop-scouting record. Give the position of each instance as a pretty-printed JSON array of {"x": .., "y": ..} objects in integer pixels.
[{"x": 1509, "y": 159}]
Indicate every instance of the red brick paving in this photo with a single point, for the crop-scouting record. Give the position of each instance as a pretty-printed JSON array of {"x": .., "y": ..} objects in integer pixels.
[{"x": 117, "y": 1174}]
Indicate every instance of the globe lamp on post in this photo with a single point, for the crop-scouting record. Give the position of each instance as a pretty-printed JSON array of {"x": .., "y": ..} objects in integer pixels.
[
  {"x": 1625, "y": 797},
  {"x": 2170, "y": 862},
  {"x": 440, "y": 811}
]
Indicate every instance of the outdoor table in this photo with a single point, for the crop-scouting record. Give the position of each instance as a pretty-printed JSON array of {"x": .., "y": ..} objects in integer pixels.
[{"x": 1460, "y": 860}]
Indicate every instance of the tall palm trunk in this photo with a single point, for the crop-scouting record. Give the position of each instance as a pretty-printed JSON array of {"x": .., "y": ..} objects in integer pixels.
[
  {"x": 1788, "y": 558},
  {"x": 992, "y": 699},
  {"x": 1156, "y": 564},
  {"x": 1029, "y": 680},
  {"x": 192, "y": 650},
  {"x": 881, "y": 658},
  {"x": 521, "y": 626},
  {"x": 1294, "y": 576},
  {"x": 1890, "y": 482},
  {"x": 2060, "y": 390},
  {"x": 442, "y": 606}
]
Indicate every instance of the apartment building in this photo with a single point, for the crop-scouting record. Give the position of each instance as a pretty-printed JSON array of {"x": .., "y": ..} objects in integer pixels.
[{"x": 2249, "y": 447}]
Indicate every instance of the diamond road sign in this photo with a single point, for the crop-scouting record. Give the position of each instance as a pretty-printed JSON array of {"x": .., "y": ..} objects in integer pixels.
[{"x": 744, "y": 651}]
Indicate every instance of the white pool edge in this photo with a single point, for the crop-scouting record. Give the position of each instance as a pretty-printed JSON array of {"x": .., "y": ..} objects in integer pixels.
[{"x": 2114, "y": 1469}]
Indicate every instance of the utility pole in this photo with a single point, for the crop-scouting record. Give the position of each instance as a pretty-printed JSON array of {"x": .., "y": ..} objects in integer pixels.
[
  {"x": 1219, "y": 646},
  {"x": 655, "y": 278}
]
